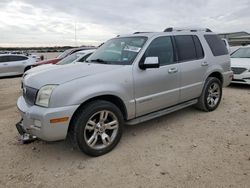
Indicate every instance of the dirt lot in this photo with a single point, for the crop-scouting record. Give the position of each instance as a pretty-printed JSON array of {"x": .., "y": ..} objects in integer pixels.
[{"x": 188, "y": 148}]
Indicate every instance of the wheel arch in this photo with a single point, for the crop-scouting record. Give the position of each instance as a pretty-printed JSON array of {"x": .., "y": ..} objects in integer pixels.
[
  {"x": 110, "y": 98},
  {"x": 27, "y": 68},
  {"x": 217, "y": 75}
]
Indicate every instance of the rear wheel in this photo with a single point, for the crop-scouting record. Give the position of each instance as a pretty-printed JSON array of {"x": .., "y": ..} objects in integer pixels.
[
  {"x": 97, "y": 128},
  {"x": 211, "y": 95}
]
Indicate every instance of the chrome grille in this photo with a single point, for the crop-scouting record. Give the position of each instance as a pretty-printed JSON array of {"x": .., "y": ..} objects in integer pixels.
[
  {"x": 29, "y": 95},
  {"x": 238, "y": 70}
]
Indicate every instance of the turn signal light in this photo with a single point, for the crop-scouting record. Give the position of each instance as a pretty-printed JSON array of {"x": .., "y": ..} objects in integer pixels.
[{"x": 59, "y": 120}]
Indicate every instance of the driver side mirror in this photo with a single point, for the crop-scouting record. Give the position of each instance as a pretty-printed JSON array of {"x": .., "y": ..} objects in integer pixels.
[{"x": 150, "y": 62}]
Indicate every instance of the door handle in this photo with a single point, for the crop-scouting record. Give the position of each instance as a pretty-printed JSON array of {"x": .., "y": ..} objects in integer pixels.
[
  {"x": 5, "y": 64},
  {"x": 204, "y": 63},
  {"x": 172, "y": 70}
]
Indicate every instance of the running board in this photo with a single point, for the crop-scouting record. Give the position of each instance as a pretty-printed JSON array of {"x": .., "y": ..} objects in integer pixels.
[{"x": 161, "y": 112}]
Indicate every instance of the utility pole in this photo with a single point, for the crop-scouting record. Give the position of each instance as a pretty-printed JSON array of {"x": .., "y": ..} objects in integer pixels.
[{"x": 75, "y": 35}]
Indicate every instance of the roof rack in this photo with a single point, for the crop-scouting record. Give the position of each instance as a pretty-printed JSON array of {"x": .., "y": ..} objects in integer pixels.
[
  {"x": 138, "y": 32},
  {"x": 171, "y": 29}
]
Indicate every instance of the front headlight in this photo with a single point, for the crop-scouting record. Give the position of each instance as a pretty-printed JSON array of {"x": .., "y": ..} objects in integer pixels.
[{"x": 43, "y": 95}]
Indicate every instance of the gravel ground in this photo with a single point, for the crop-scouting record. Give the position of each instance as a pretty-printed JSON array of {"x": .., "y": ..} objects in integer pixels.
[{"x": 188, "y": 148}]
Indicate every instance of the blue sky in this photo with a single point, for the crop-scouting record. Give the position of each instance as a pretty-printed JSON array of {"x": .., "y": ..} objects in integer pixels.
[{"x": 51, "y": 23}]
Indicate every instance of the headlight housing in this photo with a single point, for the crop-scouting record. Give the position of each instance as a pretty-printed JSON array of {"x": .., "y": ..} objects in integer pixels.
[{"x": 43, "y": 95}]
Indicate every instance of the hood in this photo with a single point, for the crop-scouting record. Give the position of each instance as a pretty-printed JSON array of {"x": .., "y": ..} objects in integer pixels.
[
  {"x": 40, "y": 68},
  {"x": 65, "y": 73},
  {"x": 50, "y": 61},
  {"x": 240, "y": 62}
]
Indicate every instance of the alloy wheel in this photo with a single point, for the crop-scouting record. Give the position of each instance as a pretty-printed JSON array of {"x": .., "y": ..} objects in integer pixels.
[
  {"x": 101, "y": 129},
  {"x": 213, "y": 95}
]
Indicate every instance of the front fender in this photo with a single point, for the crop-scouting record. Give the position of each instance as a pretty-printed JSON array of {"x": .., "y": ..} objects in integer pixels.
[{"x": 116, "y": 83}]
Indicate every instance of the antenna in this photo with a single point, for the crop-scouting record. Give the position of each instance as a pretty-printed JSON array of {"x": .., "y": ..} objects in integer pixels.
[{"x": 75, "y": 35}]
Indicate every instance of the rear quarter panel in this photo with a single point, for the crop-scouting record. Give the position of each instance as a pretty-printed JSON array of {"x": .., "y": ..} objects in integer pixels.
[{"x": 219, "y": 64}]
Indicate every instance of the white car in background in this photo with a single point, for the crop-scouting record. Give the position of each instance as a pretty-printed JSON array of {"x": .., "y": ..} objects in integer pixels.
[
  {"x": 36, "y": 57},
  {"x": 240, "y": 64},
  {"x": 74, "y": 58},
  {"x": 233, "y": 49},
  {"x": 14, "y": 65},
  {"x": 226, "y": 44}
]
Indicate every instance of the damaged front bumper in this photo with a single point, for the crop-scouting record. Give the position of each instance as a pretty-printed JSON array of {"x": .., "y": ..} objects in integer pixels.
[{"x": 36, "y": 121}]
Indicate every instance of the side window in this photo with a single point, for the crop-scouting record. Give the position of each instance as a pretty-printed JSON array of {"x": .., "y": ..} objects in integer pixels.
[
  {"x": 198, "y": 47},
  {"x": 23, "y": 58},
  {"x": 3, "y": 59},
  {"x": 216, "y": 45},
  {"x": 162, "y": 48},
  {"x": 185, "y": 47},
  {"x": 17, "y": 58}
]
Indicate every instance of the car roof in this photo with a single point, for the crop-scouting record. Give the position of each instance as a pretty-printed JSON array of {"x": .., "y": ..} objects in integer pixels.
[
  {"x": 149, "y": 35},
  {"x": 247, "y": 46},
  {"x": 166, "y": 33},
  {"x": 85, "y": 51},
  {"x": 82, "y": 48},
  {"x": 13, "y": 55}
]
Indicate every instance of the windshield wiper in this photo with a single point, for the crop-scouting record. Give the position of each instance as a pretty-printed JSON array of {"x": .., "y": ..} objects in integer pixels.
[{"x": 99, "y": 61}]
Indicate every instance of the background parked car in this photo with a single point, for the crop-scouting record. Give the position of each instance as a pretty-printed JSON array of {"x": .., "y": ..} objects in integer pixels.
[
  {"x": 12, "y": 65},
  {"x": 234, "y": 48},
  {"x": 240, "y": 64},
  {"x": 36, "y": 57},
  {"x": 63, "y": 55},
  {"x": 79, "y": 56},
  {"x": 227, "y": 45}
]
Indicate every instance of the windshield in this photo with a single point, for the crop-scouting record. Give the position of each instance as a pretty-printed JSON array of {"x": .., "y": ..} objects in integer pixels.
[
  {"x": 64, "y": 54},
  {"x": 70, "y": 58},
  {"x": 120, "y": 51},
  {"x": 241, "y": 53}
]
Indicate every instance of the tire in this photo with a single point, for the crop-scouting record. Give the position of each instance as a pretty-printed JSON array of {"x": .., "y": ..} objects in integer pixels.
[
  {"x": 91, "y": 129},
  {"x": 209, "y": 102}
]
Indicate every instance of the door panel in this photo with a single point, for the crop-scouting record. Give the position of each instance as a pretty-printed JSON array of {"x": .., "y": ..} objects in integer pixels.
[
  {"x": 157, "y": 88},
  {"x": 192, "y": 76},
  {"x": 15, "y": 67},
  {"x": 193, "y": 66},
  {"x": 3, "y": 65},
  {"x": 15, "y": 64}
]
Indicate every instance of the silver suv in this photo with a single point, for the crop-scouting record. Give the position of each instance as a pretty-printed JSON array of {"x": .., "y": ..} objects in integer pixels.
[{"x": 128, "y": 80}]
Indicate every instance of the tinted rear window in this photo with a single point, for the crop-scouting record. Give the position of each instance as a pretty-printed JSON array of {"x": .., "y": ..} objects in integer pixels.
[
  {"x": 216, "y": 45},
  {"x": 188, "y": 47}
]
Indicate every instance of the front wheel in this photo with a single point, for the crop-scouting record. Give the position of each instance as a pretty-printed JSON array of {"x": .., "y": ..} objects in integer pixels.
[
  {"x": 97, "y": 128},
  {"x": 211, "y": 95}
]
